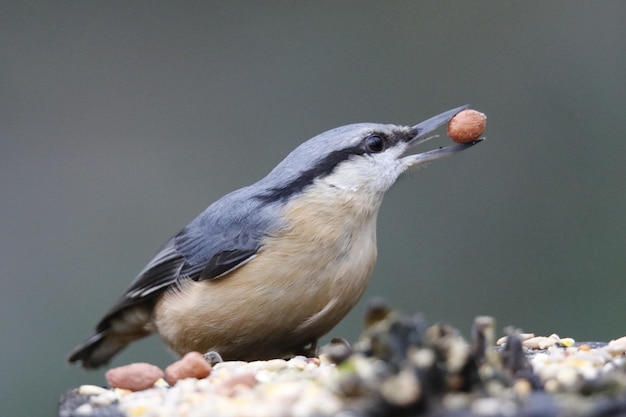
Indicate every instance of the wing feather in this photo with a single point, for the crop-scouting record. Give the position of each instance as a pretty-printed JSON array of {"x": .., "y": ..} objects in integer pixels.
[{"x": 224, "y": 237}]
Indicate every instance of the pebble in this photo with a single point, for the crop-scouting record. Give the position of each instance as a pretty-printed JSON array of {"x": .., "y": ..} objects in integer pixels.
[
  {"x": 564, "y": 369},
  {"x": 105, "y": 398},
  {"x": 620, "y": 341},
  {"x": 135, "y": 377},
  {"x": 91, "y": 390},
  {"x": 522, "y": 387},
  {"x": 618, "y": 346},
  {"x": 192, "y": 365},
  {"x": 238, "y": 382},
  {"x": 563, "y": 366},
  {"x": 84, "y": 409},
  {"x": 522, "y": 336},
  {"x": 402, "y": 389},
  {"x": 298, "y": 387},
  {"x": 539, "y": 342},
  {"x": 530, "y": 341},
  {"x": 303, "y": 387}
]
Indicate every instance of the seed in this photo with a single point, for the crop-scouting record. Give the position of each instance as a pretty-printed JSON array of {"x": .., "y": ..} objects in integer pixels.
[{"x": 467, "y": 126}]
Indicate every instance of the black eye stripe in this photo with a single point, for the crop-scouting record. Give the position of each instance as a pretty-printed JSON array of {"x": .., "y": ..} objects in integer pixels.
[{"x": 326, "y": 165}]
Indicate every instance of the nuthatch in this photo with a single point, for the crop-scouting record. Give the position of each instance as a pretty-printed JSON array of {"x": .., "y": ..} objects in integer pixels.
[{"x": 270, "y": 268}]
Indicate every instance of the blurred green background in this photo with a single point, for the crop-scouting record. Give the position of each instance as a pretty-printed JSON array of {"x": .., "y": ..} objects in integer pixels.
[{"x": 121, "y": 121}]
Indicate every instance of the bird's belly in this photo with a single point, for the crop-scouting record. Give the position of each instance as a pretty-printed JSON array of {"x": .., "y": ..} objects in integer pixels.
[{"x": 290, "y": 295}]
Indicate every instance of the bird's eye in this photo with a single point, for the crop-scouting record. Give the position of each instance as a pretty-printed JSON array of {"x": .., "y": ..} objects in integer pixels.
[{"x": 374, "y": 144}]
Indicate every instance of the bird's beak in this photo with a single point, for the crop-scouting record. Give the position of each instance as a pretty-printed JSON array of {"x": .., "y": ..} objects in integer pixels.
[{"x": 422, "y": 134}]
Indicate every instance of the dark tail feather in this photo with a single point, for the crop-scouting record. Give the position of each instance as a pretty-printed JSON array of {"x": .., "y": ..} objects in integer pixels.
[
  {"x": 126, "y": 322},
  {"x": 97, "y": 350}
]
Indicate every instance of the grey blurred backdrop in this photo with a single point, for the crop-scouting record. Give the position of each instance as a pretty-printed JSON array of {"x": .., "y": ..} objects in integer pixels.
[{"x": 120, "y": 121}]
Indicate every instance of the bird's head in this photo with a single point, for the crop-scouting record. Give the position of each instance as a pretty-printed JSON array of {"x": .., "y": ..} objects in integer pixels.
[{"x": 362, "y": 158}]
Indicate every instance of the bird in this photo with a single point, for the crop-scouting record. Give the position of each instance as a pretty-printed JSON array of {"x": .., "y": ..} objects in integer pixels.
[{"x": 268, "y": 269}]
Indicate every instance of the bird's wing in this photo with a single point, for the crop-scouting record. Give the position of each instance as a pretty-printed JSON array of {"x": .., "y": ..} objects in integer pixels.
[
  {"x": 215, "y": 243},
  {"x": 226, "y": 236},
  {"x": 214, "y": 257},
  {"x": 174, "y": 263}
]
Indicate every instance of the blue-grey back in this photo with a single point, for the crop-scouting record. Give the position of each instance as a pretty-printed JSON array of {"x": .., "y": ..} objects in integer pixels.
[{"x": 238, "y": 221}]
